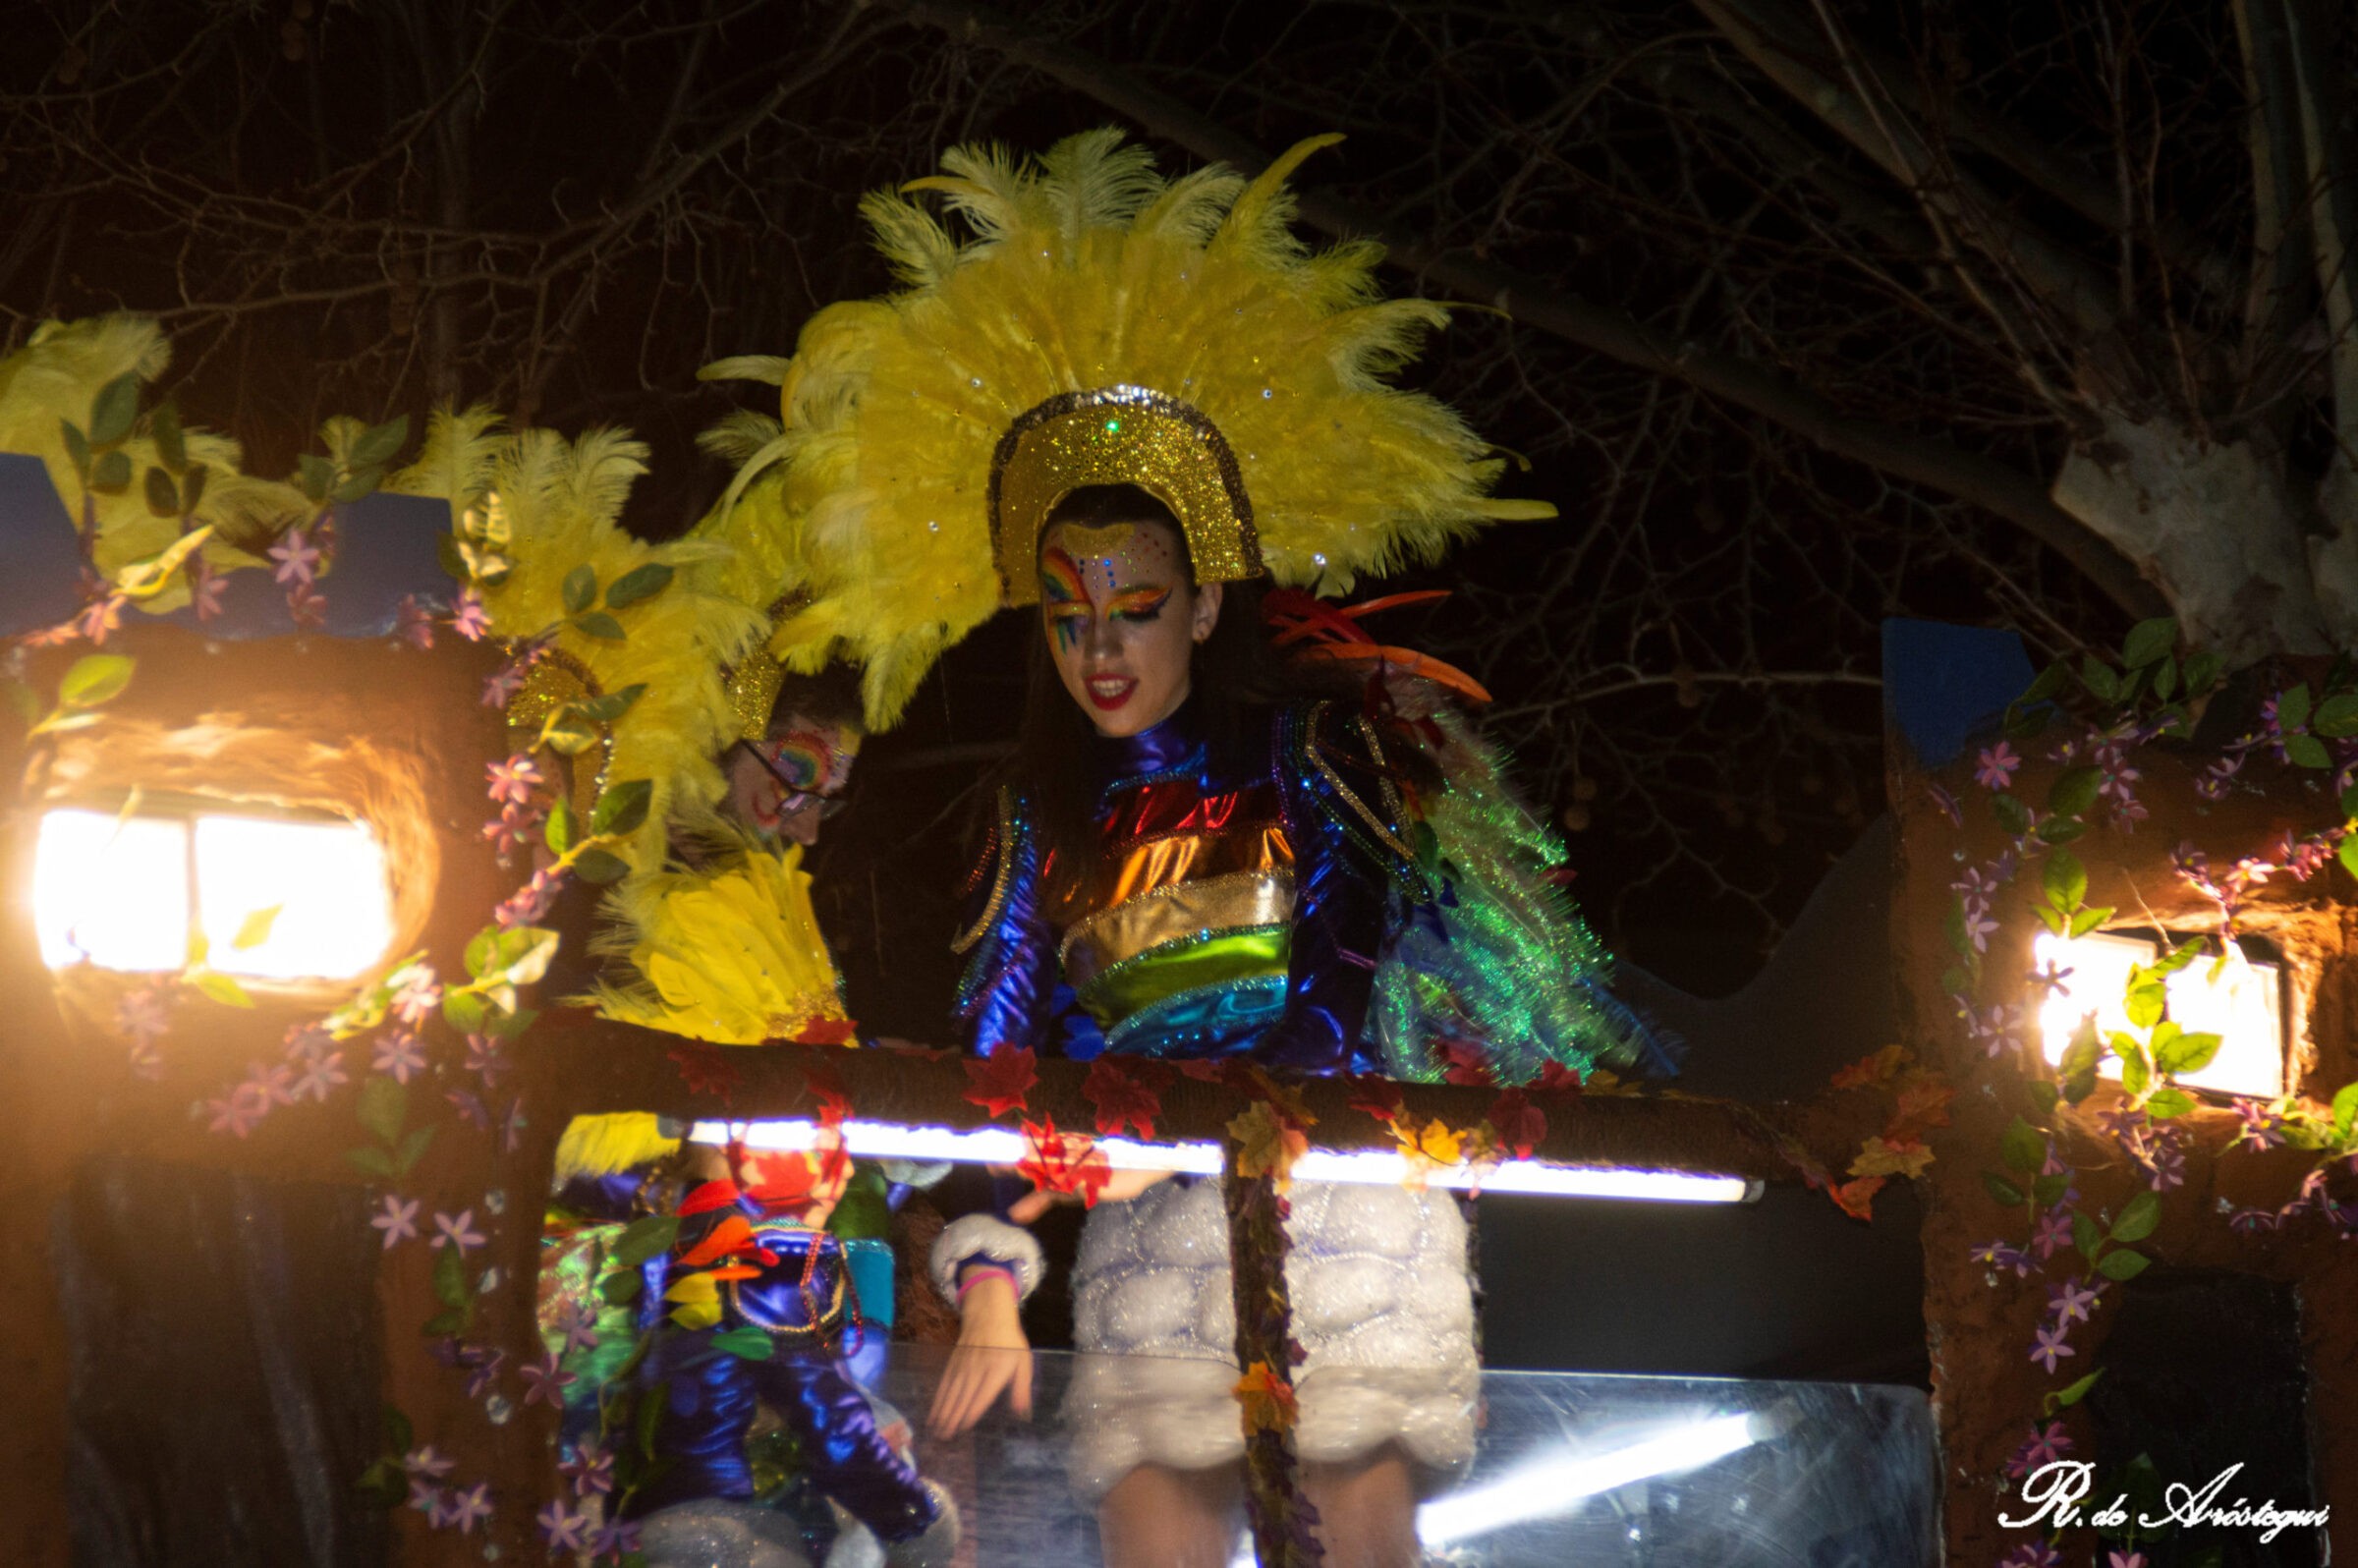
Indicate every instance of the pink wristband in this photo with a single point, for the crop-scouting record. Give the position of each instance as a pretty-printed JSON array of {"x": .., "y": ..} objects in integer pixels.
[{"x": 973, "y": 1274}]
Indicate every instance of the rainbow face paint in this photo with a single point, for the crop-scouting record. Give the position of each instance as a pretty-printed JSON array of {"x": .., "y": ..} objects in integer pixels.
[{"x": 1105, "y": 597}]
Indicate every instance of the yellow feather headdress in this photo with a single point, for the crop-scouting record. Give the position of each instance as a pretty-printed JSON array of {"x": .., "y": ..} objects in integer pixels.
[{"x": 1104, "y": 324}]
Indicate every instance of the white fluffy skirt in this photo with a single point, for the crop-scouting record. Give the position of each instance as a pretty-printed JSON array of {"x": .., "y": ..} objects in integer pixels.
[{"x": 1380, "y": 1300}]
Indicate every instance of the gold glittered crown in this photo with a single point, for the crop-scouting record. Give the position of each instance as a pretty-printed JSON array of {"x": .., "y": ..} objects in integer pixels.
[{"x": 1119, "y": 435}]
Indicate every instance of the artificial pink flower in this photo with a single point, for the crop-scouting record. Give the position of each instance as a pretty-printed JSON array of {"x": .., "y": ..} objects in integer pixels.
[
  {"x": 399, "y": 1222},
  {"x": 2050, "y": 1345},
  {"x": 205, "y": 589},
  {"x": 424, "y": 1460},
  {"x": 1994, "y": 768},
  {"x": 470, "y": 1507},
  {"x": 101, "y": 616},
  {"x": 468, "y": 618},
  {"x": 298, "y": 560},
  {"x": 2069, "y": 1301},
  {"x": 397, "y": 1053},
  {"x": 562, "y": 1528},
  {"x": 591, "y": 1469},
  {"x": 319, "y": 1076},
  {"x": 545, "y": 1381},
  {"x": 307, "y": 606},
  {"x": 414, "y": 623},
  {"x": 515, "y": 779},
  {"x": 415, "y": 994},
  {"x": 458, "y": 1231}
]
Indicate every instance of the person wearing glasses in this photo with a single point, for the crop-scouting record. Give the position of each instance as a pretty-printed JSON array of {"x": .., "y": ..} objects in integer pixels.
[{"x": 787, "y": 780}]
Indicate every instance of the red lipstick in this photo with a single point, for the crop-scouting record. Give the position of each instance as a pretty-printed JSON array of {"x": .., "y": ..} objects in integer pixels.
[{"x": 1106, "y": 693}]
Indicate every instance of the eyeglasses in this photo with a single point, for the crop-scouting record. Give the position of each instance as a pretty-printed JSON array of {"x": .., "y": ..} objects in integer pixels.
[{"x": 796, "y": 795}]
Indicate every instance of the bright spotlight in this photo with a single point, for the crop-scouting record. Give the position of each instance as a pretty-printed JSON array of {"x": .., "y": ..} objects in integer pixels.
[
  {"x": 1553, "y": 1487},
  {"x": 2243, "y": 1004},
  {"x": 325, "y": 879},
  {"x": 123, "y": 893},
  {"x": 111, "y": 891}
]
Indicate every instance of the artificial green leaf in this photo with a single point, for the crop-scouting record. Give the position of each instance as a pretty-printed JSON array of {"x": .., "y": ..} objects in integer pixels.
[
  {"x": 114, "y": 410},
  {"x": 639, "y": 583},
  {"x": 745, "y": 1344},
  {"x": 2347, "y": 851},
  {"x": 356, "y": 484},
  {"x": 520, "y": 956},
  {"x": 2012, "y": 814},
  {"x": 2166, "y": 680},
  {"x": 2002, "y": 1191},
  {"x": 598, "y": 868},
  {"x": 580, "y": 588},
  {"x": 378, "y": 443},
  {"x": 509, "y": 1023},
  {"x": 2083, "y": 1234},
  {"x": 619, "y": 1288},
  {"x": 2064, "y": 881},
  {"x": 163, "y": 428},
  {"x": 163, "y": 496},
  {"x": 2149, "y": 641},
  {"x": 2061, "y": 830},
  {"x": 566, "y": 733},
  {"x": 2052, "y": 918},
  {"x": 2074, "y": 791},
  {"x": 608, "y": 706},
  {"x": 2307, "y": 750},
  {"x": 2145, "y": 1002},
  {"x": 462, "y": 1010},
  {"x": 442, "y": 1324},
  {"x": 2049, "y": 1190},
  {"x": 314, "y": 477},
  {"x": 95, "y": 678},
  {"x": 413, "y": 1149},
  {"x": 400, "y": 1436},
  {"x": 623, "y": 807},
  {"x": 2022, "y": 1146},
  {"x": 2202, "y": 672},
  {"x": 562, "y": 829},
  {"x": 2336, "y": 717},
  {"x": 2179, "y": 957},
  {"x": 2138, "y": 1217},
  {"x": 255, "y": 930},
  {"x": 222, "y": 988},
  {"x": 2043, "y": 1095},
  {"x": 451, "y": 1285},
  {"x": 385, "y": 1105},
  {"x": 599, "y": 624},
  {"x": 2123, "y": 1265},
  {"x": 77, "y": 446},
  {"x": 2101, "y": 681},
  {"x": 2088, "y": 920},
  {"x": 370, "y": 1160},
  {"x": 111, "y": 473},
  {"x": 2189, "y": 1053},
  {"x": 2166, "y": 1104},
  {"x": 641, "y": 1239},
  {"x": 2345, "y": 1109},
  {"x": 2135, "y": 1076},
  {"x": 2073, "y": 1393},
  {"x": 2292, "y": 708},
  {"x": 649, "y": 1417}
]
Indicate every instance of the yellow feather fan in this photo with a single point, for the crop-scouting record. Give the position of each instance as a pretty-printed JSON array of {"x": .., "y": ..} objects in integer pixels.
[
  {"x": 1087, "y": 272},
  {"x": 731, "y": 955}
]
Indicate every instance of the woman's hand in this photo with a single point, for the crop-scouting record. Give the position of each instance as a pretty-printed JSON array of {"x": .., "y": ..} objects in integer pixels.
[
  {"x": 1120, "y": 1186},
  {"x": 992, "y": 1355}
]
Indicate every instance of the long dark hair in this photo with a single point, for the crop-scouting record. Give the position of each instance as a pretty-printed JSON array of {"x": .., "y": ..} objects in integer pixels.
[{"x": 1235, "y": 684}]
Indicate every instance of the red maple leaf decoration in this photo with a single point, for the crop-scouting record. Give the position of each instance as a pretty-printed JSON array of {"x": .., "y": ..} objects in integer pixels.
[
  {"x": 1379, "y": 1097},
  {"x": 1520, "y": 1125},
  {"x": 706, "y": 1070},
  {"x": 1063, "y": 1162},
  {"x": 1205, "y": 1069},
  {"x": 831, "y": 1102},
  {"x": 1557, "y": 1082},
  {"x": 1125, "y": 1096},
  {"x": 1857, "y": 1198},
  {"x": 1002, "y": 1081},
  {"x": 1464, "y": 1063},
  {"x": 828, "y": 1031}
]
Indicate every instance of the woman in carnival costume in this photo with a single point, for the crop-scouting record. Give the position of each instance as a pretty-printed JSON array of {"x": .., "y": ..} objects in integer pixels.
[{"x": 1128, "y": 401}]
